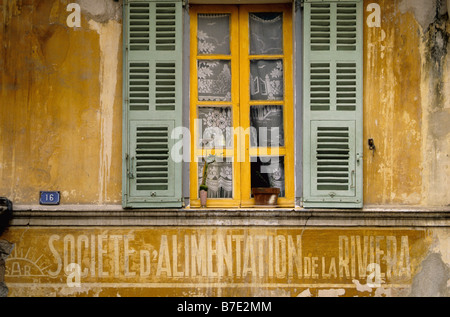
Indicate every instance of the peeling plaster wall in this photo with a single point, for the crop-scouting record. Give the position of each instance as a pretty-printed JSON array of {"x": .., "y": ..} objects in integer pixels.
[
  {"x": 61, "y": 129},
  {"x": 61, "y": 96},
  {"x": 60, "y": 91},
  {"x": 433, "y": 278},
  {"x": 101, "y": 11},
  {"x": 407, "y": 104},
  {"x": 436, "y": 114}
]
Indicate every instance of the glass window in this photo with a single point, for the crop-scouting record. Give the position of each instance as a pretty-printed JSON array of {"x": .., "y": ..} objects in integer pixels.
[
  {"x": 266, "y": 80},
  {"x": 213, "y": 34},
  {"x": 214, "y": 80},
  {"x": 266, "y": 33}
]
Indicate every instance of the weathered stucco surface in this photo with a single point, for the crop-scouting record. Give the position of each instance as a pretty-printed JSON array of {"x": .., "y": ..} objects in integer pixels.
[
  {"x": 407, "y": 104},
  {"x": 433, "y": 277},
  {"x": 61, "y": 95},
  {"x": 61, "y": 103},
  {"x": 61, "y": 129},
  {"x": 60, "y": 90}
]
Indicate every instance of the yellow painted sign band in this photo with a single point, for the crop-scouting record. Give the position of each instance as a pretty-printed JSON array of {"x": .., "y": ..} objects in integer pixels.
[{"x": 165, "y": 261}]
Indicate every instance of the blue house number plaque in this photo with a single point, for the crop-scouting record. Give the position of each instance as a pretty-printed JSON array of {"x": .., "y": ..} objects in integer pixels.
[{"x": 49, "y": 198}]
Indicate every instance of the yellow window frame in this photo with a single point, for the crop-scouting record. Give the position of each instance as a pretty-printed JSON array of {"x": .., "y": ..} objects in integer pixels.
[{"x": 241, "y": 103}]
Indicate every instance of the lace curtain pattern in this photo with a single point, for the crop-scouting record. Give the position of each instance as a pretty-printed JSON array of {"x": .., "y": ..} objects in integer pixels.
[
  {"x": 266, "y": 80},
  {"x": 214, "y": 80},
  {"x": 216, "y": 123},
  {"x": 266, "y": 126},
  {"x": 266, "y": 33},
  {"x": 214, "y": 76},
  {"x": 219, "y": 179},
  {"x": 213, "y": 35},
  {"x": 266, "y": 85}
]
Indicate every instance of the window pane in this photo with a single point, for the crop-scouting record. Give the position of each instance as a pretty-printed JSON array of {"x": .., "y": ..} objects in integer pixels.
[
  {"x": 213, "y": 36},
  {"x": 266, "y": 33},
  {"x": 268, "y": 172},
  {"x": 266, "y": 79},
  {"x": 215, "y": 127},
  {"x": 267, "y": 129},
  {"x": 219, "y": 178},
  {"x": 214, "y": 80}
]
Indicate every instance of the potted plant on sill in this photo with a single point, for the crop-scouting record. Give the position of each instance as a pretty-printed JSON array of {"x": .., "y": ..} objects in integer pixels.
[
  {"x": 264, "y": 194},
  {"x": 203, "y": 189}
]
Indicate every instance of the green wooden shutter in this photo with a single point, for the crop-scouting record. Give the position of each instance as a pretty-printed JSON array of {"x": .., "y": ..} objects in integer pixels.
[
  {"x": 152, "y": 103},
  {"x": 333, "y": 107}
]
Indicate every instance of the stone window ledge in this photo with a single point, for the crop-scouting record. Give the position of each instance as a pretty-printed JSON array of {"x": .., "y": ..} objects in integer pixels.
[{"x": 115, "y": 215}]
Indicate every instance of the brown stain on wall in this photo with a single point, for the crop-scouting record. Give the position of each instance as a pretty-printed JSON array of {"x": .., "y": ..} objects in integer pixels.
[
  {"x": 49, "y": 118},
  {"x": 437, "y": 114}
]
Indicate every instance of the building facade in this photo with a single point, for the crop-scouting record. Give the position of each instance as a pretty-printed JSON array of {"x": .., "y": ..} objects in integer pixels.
[{"x": 115, "y": 113}]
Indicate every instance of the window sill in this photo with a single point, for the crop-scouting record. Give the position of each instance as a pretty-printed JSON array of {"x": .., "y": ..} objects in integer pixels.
[{"x": 115, "y": 215}]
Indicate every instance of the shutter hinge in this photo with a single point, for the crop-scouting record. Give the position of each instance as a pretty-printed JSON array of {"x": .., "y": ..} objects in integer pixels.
[{"x": 359, "y": 157}]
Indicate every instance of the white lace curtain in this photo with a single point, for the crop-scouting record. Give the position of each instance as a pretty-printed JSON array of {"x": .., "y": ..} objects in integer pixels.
[
  {"x": 219, "y": 179},
  {"x": 266, "y": 83},
  {"x": 214, "y": 80},
  {"x": 213, "y": 35},
  {"x": 215, "y": 127},
  {"x": 266, "y": 33},
  {"x": 267, "y": 129},
  {"x": 266, "y": 80}
]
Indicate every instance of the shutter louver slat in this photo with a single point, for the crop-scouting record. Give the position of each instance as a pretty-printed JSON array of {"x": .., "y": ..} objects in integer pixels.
[
  {"x": 139, "y": 37},
  {"x": 320, "y": 86},
  {"x": 152, "y": 158},
  {"x": 346, "y": 27},
  {"x": 333, "y": 165},
  {"x": 346, "y": 87},
  {"x": 165, "y": 26},
  {"x": 333, "y": 158},
  {"x": 165, "y": 86},
  {"x": 139, "y": 86},
  {"x": 151, "y": 162},
  {"x": 320, "y": 27}
]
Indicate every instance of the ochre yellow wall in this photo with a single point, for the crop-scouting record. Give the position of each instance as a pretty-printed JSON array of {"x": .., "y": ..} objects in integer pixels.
[
  {"x": 407, "y": 105},
  {"x": 61, "y": 96},
  {"x": 61, "y": 122}
]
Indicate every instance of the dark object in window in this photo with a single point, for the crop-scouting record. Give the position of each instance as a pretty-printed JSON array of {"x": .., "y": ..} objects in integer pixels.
[{"x": 268, "y": 172}]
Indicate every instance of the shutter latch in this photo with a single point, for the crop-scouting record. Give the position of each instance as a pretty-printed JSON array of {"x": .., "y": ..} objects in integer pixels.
[{"x": 372, "y": 146}]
